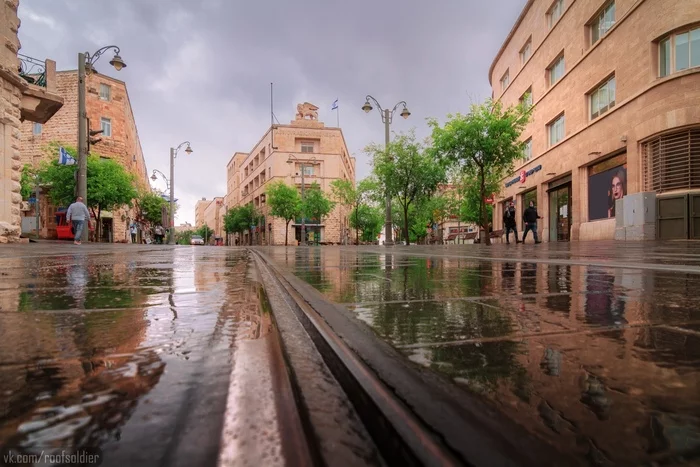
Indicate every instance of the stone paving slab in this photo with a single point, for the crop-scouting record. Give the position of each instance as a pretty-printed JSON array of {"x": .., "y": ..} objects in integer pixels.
[{"x": 592, "y": 347}]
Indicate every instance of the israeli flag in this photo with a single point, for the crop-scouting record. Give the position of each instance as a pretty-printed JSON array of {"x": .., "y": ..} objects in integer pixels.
[
  {"x": 64, "y": 158},
  {"x": 335, "y": 105}
]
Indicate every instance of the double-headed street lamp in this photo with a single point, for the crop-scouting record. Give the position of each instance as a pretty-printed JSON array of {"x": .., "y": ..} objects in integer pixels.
[
  {"x": 311, "y": 161},
  {"x": 86, "y": 64},
  {"x": 173, "y": 155},
  {"x": 387, "y": 117}
]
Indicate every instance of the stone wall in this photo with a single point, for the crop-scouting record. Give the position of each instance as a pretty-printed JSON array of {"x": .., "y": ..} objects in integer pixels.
[{"x": 10, "y": 101}]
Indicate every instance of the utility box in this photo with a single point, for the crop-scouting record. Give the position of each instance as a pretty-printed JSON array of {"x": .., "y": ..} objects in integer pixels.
[{"x": 635, "y": 217}]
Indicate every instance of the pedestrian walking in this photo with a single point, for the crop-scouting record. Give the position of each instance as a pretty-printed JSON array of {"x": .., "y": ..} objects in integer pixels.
[
  {"x": 77, "y": 213},
  {"x": 159, "y": 234},
  {"x": 530, "y": 217},
  {"x": 509, "y": 222},
  {"x": 134, "y": 230}
]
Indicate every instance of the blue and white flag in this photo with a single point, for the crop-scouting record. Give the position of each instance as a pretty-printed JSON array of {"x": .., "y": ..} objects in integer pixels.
[
  {"x": 335, "y": 105},
  {"x": 64, "y": 158}
]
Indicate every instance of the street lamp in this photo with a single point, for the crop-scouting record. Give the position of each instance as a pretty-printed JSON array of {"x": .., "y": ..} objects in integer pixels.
[
  {"x": 154, "y": 177},
  {"x": 86, "y": 64},
  {"x": 312, "y": 161},
  {"x": 387, "y": 117},
  {"x": 173, "y": 155}
]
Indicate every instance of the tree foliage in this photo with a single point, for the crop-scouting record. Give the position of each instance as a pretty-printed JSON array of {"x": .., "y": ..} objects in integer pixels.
[
  {"x": 184, "y": 237},
  {"x": 109, "y": 185},
  {"x": 239, "y": 219},
  {"x": 368, "y": 220},
  {"x": 151, "y": 206},
  {"x": 315, "y": 204},
  {"x": 407, "y": 172},
  {"x": 357, "y": 198},
  {"x": 483, "y": 145},
  {"x": 27, "y": 181},
  {"x": 205, "y": 232},
  {"x": 284, "y": 202}
]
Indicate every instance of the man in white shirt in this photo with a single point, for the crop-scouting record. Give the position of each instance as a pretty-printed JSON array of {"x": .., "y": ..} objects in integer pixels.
[{"x": 77, "y": 213}]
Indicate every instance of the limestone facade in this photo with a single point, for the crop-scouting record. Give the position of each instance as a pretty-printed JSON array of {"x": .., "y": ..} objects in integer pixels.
[
  {"x": 210, "y": 212},
  {"x": 108, "y": 104},
  {"x": 19, "y": 101},
  {"x": 279, "y": 155},
  {"x": 596, "y": 74}
]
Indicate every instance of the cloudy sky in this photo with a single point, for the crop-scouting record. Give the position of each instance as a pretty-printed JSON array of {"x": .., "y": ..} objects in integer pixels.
[{"x": 200, "y": 70}]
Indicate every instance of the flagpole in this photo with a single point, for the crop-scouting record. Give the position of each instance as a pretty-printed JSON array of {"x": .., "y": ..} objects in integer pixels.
[{"x": 337, "y": 114}]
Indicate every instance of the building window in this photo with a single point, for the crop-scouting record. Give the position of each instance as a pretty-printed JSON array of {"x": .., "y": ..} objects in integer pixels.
[
  {"x": 679, "y": 52},
  {"x": 269, "y": 172},
  {"x": 505, "y": 81},
  {"x": 526, "y": 99},
  {"x": 603, "y": 22},
  {"x": 672, "y": 161},
  {"x": 308, "y": 170},
  {"x": 555, "y": 12},
  {"x": 556, "y": 130},
  {"x": 307, "y": 147},
  {"x": 527, "y": 150},
  {"x": 526, "y": 52},
  {"x": 36, "y": 128},
  {"x": 105, "y": 91},
  {"x": 556, "y": 71},
  {"x": 106, "y": 125},
  {"x": 603, "y": 98}
]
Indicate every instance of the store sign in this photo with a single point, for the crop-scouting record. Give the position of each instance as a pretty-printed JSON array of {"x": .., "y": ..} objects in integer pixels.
[
  {"x": 490, "y": 200},
  {"x": 523, "y": 176}
]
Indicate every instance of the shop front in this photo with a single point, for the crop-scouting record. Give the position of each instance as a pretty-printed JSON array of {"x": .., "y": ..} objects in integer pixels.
[{"x": 560, "y": 210}]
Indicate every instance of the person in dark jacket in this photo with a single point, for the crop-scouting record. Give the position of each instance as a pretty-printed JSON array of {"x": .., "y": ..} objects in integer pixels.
[
  {"x": 509, "y": 222},
  {"x": 530, "y": 217}
]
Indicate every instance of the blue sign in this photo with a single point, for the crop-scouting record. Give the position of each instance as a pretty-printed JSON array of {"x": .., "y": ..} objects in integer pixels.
[
  {"x": 64, "y": 158},
  {"x": 523, "y": 175}
]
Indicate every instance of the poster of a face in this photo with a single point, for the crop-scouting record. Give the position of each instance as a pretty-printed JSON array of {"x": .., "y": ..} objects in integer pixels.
[{"x": 604, "y": 188}]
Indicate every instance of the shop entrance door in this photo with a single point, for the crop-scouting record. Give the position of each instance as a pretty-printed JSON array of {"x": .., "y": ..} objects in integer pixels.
[{"x": 560, "y": 213}]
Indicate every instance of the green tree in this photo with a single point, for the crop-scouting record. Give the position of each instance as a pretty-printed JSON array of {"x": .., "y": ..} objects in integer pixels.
[
  {"x": 483, "y": 144},
  {"x": 407, "y": 171},
  {"x": 109, "y": 185},
  {"x": 151, "y": 206},
  {"x": 345, "y": 193},
  {"x": 205, "y": 232},
  {"x": 184, "y": 237},
  {"x": 315, "y": 204},
  {"x": 368, "y": 220},
  {"x": 285, "y": 203},
  {"x": 240, "y": 218},
  {"x": 27, "y": 181}
]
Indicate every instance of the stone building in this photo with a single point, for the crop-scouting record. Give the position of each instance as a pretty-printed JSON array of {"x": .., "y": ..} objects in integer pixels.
[
  {"x": 210, "y": 212},
  {"x": 613, "y": 147},
  {"x": 280, "y": 155},
  {"x": 27, "y": 93},
  {"x": 108, "y": 109}
]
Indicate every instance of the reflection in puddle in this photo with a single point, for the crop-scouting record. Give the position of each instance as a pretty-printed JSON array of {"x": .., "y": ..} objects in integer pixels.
[
  {"x": 601, "y": 362},
  {"x": 93, "y": 348}
]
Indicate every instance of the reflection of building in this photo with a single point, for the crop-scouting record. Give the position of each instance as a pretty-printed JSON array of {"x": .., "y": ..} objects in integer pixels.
[
  {"x": 108, "y": 109},
  {"x": 28, "y": 94},
  {"x": 322, "y": 152},
  {"x": 616, "y": 92}
]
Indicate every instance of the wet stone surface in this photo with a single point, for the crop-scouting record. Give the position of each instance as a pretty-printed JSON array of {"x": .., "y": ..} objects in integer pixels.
[
  {"x": 594, "y": 347},
  {"x": 124, "y": 348}
]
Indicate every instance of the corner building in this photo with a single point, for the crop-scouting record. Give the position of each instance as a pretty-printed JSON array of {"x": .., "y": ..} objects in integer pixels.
[
  {"x": 613, "y": 146},
  {"x": 281, "y": 155}
]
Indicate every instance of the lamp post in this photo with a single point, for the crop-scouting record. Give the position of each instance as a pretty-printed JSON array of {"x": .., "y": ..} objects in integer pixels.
[
  {"x": 86, "y": 64},
  {"x": 154, "y": 177},
  {"x": 291, "y": 160},
  {"x": 173, "y": 155},
  {"x": 387, "y": 117}
]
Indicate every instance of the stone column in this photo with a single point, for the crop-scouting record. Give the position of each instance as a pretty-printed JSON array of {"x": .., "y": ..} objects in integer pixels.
[{"x": 10, "y": 99}]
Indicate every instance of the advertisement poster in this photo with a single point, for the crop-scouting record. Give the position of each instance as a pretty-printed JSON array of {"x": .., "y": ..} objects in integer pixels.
[{"x": 607, "y": 182}]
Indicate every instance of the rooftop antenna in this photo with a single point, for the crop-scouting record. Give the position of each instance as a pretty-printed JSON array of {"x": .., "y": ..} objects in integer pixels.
[{"x": 272, "y": 120}]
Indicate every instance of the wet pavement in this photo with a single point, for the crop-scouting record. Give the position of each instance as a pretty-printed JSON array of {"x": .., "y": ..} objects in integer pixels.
[
  {"x": 592, "y": 347},
  {"x": 129, "y": 350}
]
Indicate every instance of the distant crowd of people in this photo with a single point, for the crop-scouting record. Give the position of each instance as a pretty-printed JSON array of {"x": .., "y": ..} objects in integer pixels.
[{"x": 149, "y": 235}]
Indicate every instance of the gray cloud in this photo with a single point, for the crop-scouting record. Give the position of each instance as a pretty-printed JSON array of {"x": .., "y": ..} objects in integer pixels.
[{"x": 200, "y": 70}]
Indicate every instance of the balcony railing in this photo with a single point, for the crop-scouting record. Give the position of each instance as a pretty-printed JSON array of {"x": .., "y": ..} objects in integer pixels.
[{"x": 32, "y": 70}]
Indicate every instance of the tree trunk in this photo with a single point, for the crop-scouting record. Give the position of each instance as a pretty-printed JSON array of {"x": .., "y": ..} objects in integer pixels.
[
  {"x": 482, "y": 209},
  {"x": 357, "y": 224},
  {"x": 286, "y": 232},
  {"x": 405, "y": 224}
]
